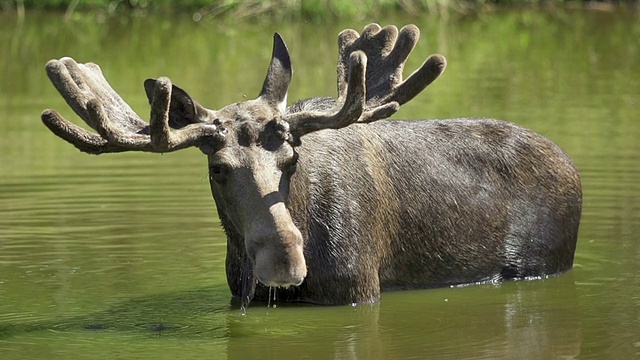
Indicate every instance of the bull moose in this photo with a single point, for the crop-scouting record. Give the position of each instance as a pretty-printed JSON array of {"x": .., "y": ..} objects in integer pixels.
[{"x": 327, "y": 201}]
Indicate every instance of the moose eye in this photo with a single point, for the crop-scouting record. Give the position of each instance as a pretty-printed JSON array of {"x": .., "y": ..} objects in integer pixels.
[{"x": 218, "y": 173}]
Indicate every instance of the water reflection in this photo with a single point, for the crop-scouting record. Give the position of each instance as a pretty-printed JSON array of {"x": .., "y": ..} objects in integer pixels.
[{"x": 532, "y": 320}]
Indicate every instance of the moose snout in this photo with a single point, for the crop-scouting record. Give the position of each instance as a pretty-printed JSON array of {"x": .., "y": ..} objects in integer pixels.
[{"x": 281, "y": 263}]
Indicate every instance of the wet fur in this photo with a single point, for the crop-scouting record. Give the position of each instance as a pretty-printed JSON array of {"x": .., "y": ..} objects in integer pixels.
[{"x": 422, "y": 204}]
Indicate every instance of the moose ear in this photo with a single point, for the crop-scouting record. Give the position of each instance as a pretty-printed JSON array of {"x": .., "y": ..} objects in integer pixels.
[
  {"x": 276, "y": 84},
  {"x": 183, "y": 110}
]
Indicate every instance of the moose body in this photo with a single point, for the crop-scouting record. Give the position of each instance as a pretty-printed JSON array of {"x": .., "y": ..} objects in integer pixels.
[
  {"x": 328, "y": 202},
  {"x": 424, "y": 203}
]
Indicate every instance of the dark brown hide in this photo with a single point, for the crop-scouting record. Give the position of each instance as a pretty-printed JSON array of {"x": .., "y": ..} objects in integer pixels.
[{"x": 423, "y": 204}]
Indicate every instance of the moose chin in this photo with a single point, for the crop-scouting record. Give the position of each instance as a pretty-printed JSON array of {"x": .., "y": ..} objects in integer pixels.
[{"x": 327, "y": 201}]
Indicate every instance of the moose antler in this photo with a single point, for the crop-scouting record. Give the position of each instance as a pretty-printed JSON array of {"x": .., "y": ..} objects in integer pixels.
[
  {"x": 387, "y": 50},
  {"x": 352, "y": 107},
  {"x": 119, "y": 128},
  {"x": 370, "y": 87}
]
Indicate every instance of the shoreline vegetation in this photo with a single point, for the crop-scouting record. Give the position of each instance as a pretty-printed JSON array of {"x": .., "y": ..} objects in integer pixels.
[{"x": 308, "y": 10}]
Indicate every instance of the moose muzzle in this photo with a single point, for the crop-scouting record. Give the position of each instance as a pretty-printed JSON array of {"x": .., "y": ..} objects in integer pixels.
[{"x": 279, "y": 260}]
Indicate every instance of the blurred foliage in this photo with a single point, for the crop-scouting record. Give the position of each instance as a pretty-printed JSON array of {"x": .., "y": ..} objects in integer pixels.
[{"x": 313, "y": 10}]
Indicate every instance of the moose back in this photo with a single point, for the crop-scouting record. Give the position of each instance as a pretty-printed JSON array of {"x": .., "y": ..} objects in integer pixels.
[{"x": 327, "y": 201}]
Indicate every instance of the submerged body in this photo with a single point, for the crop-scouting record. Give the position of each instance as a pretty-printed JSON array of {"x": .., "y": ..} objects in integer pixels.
[{"x": 422, "y": 204}]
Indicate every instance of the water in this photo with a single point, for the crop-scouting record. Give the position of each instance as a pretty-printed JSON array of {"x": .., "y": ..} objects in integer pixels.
[{"x": 121, "y": 256}]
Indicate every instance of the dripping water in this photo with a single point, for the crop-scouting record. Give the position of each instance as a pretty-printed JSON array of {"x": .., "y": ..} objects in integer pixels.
[
  {"x": 244, "y": 304},
  {"x": 272, "y": 297}
]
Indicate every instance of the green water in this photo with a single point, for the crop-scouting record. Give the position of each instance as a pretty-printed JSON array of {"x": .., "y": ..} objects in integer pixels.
[{"x": 121, "y": 256}]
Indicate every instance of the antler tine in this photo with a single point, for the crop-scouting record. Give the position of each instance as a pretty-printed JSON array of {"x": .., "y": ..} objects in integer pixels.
[
  {"x": 387, "y": 50},
  {"x": 352, "y": 109},
  {"x": 120, "y": 129},
  {"x": 77, "y": 136}
]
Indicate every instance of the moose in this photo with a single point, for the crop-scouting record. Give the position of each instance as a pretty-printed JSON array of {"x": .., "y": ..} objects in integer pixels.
[{"x": 327, "y": 201}]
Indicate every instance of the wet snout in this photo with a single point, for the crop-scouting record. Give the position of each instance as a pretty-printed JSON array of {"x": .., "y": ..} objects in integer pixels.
[
  {"x": 279, "y": 262},
  {"x": 272, "y": 240}
]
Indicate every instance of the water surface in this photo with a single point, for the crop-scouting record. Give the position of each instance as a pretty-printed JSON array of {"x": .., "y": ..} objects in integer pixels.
[{"x": 121, "y": 255}]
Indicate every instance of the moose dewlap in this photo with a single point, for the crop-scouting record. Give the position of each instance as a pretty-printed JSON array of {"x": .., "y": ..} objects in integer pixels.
[{"x": 330, "y": 203}]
